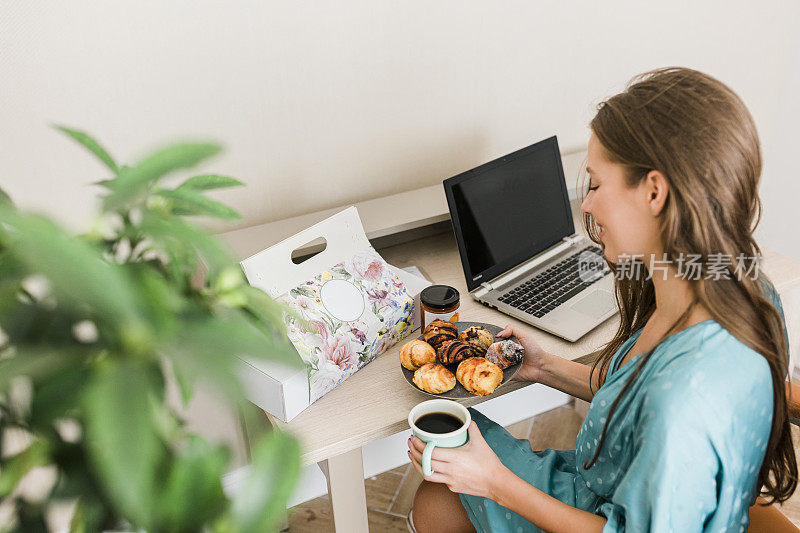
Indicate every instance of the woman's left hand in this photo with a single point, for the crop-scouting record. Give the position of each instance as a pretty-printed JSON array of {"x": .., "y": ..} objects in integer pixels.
[{"x": 470, "y": 469}]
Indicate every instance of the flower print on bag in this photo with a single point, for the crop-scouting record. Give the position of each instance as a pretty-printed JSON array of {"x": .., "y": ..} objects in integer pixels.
[
  {"x": 304, "y": 303},
  {"x": 339, "y": 350},
  {"x": 382, "y": 342},
  {"x": 379, "y": 297},
  {"x": 333, "y": 349},
  {"x": 303, "y": 290},
  {"x": 327, "y": 376},
  {"x": 312, "y": 341},
  {"x": 359, "y": 335},
  {"x": 367, "y": 267},
  {"x": 320, "y": 329}
]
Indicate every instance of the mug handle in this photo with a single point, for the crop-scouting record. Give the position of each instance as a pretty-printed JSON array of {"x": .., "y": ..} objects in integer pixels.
[{"x": 426, "y": 458}]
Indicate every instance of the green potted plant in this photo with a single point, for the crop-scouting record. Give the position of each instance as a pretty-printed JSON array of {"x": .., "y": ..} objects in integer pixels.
[{"x": 93, "y": 327}]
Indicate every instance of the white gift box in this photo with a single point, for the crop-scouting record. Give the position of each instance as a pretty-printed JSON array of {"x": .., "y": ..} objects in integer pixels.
[{"x": 279, "y": 389}]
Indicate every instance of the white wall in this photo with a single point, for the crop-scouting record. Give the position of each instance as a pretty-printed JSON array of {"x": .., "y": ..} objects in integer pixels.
[
  {"x": 780, "y": 188},
  {"x": 325, "y": 103}
]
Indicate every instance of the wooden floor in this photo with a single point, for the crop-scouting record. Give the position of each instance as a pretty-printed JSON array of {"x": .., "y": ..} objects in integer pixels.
[{"x": 390, "y": 495}]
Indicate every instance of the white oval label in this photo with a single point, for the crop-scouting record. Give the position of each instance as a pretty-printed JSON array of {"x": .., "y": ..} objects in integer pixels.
[{"x": 342, "y": 299}]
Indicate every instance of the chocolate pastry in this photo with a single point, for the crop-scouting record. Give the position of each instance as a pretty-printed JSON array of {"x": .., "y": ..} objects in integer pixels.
[
  {"x": 505, "y": 353},
  {"x": 479, "y": 375},
  {"x": 416, "y": 353},
  {"x": 453, "y": 351},
  {"x": 434, "y": 378},
  {"x": 439, "y": 331},
  {"x": 478, "y": 338}
]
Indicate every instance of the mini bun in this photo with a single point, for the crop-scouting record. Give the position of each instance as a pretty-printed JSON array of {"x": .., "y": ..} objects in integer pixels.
[
  {"x": 505, "y": 353},
  {"x": 438, "y": 332},
  {"x": 434, "y": 378},
  {"x": 478, "y": 338},
  {"x": 479, "y": 375},
  {"x": 416, "y": 353},
  {"x": 453, "y": 351}
]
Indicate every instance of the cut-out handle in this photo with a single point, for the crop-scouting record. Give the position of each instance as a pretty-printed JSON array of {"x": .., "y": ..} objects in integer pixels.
[
  {"x": 303, "y": 253},
  {"x": 273, "y": 271}
]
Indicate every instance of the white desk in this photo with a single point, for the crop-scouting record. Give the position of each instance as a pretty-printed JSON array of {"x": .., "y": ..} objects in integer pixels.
[{"x": 374, "y": 402}]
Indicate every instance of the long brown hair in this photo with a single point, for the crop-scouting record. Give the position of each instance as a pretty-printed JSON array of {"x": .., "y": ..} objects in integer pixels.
[{"x": 698, "y": 133}]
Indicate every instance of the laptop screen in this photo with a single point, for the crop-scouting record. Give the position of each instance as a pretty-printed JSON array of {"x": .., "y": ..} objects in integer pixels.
[{"x": 508, "y": 210}]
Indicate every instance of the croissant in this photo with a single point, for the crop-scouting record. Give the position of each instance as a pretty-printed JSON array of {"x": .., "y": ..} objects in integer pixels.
[
  {"x": 479, "y": 375},
  {"x": 453, "y": 351},
  {"x": 439, "y": 331},
  {"x": 478, "y": 338},
  {"x": 416, "y": 353},
  {"x": 505, "y": 353},
  {"x": 434, "y": 378}
]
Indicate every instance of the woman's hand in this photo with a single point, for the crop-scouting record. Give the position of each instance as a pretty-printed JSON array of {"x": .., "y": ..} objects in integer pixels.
[
  {"x": 472, "y": 468},
  {"x": 535, "y": 358}
]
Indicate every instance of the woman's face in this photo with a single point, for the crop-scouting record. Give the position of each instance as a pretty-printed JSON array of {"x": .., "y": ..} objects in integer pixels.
[{"x": 628, "y": 225}]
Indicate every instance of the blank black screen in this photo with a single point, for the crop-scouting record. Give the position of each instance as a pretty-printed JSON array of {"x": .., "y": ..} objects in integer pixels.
[{"x": 512, "y": 208}]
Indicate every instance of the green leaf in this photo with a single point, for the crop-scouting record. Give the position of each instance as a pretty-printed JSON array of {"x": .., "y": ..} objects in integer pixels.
[
  {"x": 170, "y": 233},
  {"x": 199, "y": 352},
  {"x": 185, "y": 384},
  {"x": 76, "y": 270},
  {"x": 108, "y": 184},
  {"x": 267, "y": 309},
  {"x": 92, "y": 145},
  {"x": 207, "y": 347},
  {"x": 5, "y": 198},
  {"x": 34, "y": 362},
  {"x": 261, "y": 503},
  {"x": 271, "y": 317},
  {"x": 88, "y": 517},
  {"x": 58, "y": 394},
  {"x": 78, "y": 524},
  {"x": 131, "y": 183},
  {"x": 123, "y": 447},
  {"x": 15, "y": 468},
  {"x": 192, "y": 492},
  {"x": 30, "y": 517},
  {"x": 161, "y": 301},
  {"x": 190, "y": 202},
  {"x": 210, "y": 181},
  {"x": 18, "y": 318},
  {"x": 76, "y": 479}
]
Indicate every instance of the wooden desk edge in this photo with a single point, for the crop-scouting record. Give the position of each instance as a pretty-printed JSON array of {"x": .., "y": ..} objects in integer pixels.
[
  {"x": 347, "y": 445},
  {"x": 344, "y": 446}
]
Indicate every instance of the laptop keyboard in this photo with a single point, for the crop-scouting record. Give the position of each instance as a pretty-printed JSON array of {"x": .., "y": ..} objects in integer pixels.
[{"x": 551, "y": 288}]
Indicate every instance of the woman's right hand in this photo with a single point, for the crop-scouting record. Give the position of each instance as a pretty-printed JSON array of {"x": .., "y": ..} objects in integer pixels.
[{"x": 535, "y": 357}]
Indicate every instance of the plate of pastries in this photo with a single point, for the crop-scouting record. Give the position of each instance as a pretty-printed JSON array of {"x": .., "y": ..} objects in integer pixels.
[{"x": 460, "y": 359}]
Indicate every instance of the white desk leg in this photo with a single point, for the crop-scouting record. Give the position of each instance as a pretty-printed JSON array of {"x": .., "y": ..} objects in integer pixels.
[{"x": 346, "y": 488}]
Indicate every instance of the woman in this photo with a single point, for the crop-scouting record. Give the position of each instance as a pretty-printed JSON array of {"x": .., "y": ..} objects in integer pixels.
[{"x": 688, "y": 414}]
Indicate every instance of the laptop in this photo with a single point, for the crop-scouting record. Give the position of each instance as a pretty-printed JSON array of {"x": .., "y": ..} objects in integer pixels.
[{"x": 519, "y": 250}]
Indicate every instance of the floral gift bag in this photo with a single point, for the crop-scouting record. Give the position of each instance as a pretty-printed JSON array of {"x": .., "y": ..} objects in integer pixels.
[{"x": 357, "y": 309}]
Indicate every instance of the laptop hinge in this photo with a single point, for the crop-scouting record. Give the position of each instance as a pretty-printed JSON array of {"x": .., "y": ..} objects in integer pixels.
[
  {"x": 526, "y": 267},
  {"x": 482, "y": 291}
]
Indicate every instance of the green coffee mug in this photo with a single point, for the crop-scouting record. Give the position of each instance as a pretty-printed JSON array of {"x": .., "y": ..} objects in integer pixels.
[{"x": 451, "y": 439}]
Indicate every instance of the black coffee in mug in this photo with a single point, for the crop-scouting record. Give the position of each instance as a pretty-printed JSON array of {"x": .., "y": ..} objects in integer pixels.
[{"x": 438, "y": 423}]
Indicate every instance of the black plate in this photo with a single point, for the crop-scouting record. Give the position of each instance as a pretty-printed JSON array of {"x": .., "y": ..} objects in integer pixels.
[{"x": 459, "y": 391}]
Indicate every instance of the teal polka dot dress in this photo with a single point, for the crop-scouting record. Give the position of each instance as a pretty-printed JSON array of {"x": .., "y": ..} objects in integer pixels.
[{"x": 683, "y": 450}]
